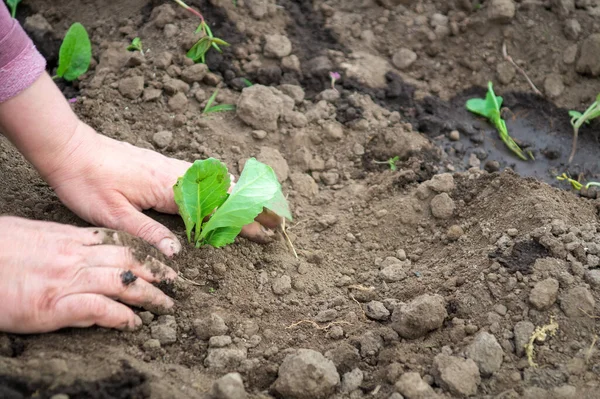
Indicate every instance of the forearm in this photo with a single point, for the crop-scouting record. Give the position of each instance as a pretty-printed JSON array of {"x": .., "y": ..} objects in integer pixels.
[{"x": 40, "y": 123}]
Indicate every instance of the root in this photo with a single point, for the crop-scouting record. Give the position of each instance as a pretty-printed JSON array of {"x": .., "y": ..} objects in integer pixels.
[
  {"x": 315, "y": 325},
  {"x": 521, "y": 71},
  {"x": 574, "y": 145},
  {"x": 187, "y": 280},
  {"x": 287, "y": 238},
  {"x": 540, "y": 335},
  {"x": 590, "y": 351},
  {"x": 591, "y": 316}
]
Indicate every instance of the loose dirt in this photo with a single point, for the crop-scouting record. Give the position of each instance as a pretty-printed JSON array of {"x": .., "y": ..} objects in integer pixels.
[{"x": 421, "y": 282}]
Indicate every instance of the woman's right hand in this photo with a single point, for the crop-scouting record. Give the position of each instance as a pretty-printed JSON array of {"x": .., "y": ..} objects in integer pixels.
[{"x": 54, "y": 276}]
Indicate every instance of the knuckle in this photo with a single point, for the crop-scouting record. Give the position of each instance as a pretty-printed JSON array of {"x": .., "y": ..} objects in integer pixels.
[
  {"x": 148, "y": 229},
  {"x": 127, "y": 257}
]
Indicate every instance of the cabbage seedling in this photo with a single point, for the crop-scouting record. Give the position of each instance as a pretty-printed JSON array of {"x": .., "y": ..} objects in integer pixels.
[
  {"x": 576, "y": 184},
  {"x": 334, "y": 76},
  {"x": 202, "y": 193},
  {"x": 199, "y": 50},
  {"x": 390, "y": 162},
  {"x": 490, "y": 108},
  {"x": 75, "y": 53},
  {"x": 578, "y": 119},
  {"x": 136, "y": 45},
  {"x": 12, "y": 4},
  {"x": 209, "y": 108}
]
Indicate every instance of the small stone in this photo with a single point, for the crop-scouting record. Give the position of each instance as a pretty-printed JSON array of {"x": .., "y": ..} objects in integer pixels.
[
  {"x": 293, "y": 91},
  {"x": 577, "y": 302},
  {"x": 327, "y": 315},
  {"x": 212, "y": 79},
  {"x": 351, "y": 381},
  {"x": 404, "y": 58},
  {"x": 333, "y": 131},
  {"x": 593, "y": 277},
  {"x": 522, "y": 332},
  {"x": 225, "y": 358},
  {"x": 282, "y": 285},
  {"x": 492, "y": 166},
  {"x": 163, "y": 60},
  {"x": 501, "y": 11},
  {"x": 392, "y": 273},
  {"x": 306, "y": 375},
  {"x": 572, "y": 29},
  {"x": 442, "y": 206},
  {"x": 258, "y": 8},
  {"x": 412, "y": 386},
  {"x": 570, "y": 54},
  {"x": 505, "y": 72},
  {"x": 132, "y": 87},
  {"x": 553, "y": 85},
  {"x": 442, "y": 183},
  {"x": 459, "y": 376},
  {"x": 563, "y": 7},
  {"x": 230, "y": 386},
  {"x": 173, "y": 86},
  {"x": 38, "y": 27},
  {"x": 147, "y": 317},
  {"x": 178, "y": 102},
  {"x": 210, "y": 326},
  {"x": 486, "y": 352},
  {"x": 454, "y": 232},
  {"x": 162, "y": 15},
  {"x": 376, "y": 310},
  {"x": 170, "y": 30},
  {"x": 260, "y": 107},
  {"x": 162, "y": 139},
  {"x": 454, "y": 135},
  {"x": 164, "y": 334},
  {"x": 336, "y": 332},
  {"x": 304, "y": 184},
  {"x": 589, "y": 56},
  {"x": 151, "y": 94},
  {"x": 194, "y": 73},
  {"x": 259, "y": 134},
  {"x": 275, "y": 160},
  {"x": 544, "y": 294},
  {"x": 152, "y": 345},
  {"x": 423, "y": 314},
  {"x": 219, "y": 341},
  {"x": 277, "y": 46}
]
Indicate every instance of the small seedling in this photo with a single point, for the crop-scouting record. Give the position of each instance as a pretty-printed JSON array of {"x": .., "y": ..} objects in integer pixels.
[
  {"x": 209, "y": 108},
  {"x": 334, "y": 76},
  {"x": 75, "y": 53},
  {"x": 199, "y": 50},
  {"x": 202, "y": 192},
  {"x": 578, "y": 119},
  {"x": 576, "y": 184},
  {"x": 390, "y": 162},
  {"x": 490, "y": 108},
  {"x": 136, "y": 45},
  {"x": 12, "y": 4}
]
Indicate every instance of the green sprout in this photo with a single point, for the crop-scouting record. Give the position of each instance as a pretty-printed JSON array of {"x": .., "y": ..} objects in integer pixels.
[
  {"x": 490, "y": 109},
  {"x": 136, "y": 45},
  {"x": 75, "y": 53},
  {"x": 209, "y": 108},
  {"x": 247, "y": 82},
  {"x": 575, "y": 184},
  {"x": 578, "y": 119},
  {"x": 390, "y": 162},
  {"x": 12, "y": 4},
  {"x": 199, "y": 50},
  {"x": 211, "y": 290}
]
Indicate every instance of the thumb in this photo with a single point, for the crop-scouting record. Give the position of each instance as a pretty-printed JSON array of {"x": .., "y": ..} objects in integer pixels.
[{"x": 135, "y": 222}]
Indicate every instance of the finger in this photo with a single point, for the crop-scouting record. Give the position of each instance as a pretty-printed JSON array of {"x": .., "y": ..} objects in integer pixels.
[
  {"x": 257, "y": 232},
  {"x": 84, "y": 310},
  {"x": 269, "y": 219},
  {"x": 114, "y": 256},
  {"x": 136, "y": 223},
  {"x": 122, "y": 285}
]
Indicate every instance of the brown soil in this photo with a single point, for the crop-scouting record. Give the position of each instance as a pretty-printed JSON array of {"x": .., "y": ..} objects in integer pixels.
[{"x": 506, "y": 234}]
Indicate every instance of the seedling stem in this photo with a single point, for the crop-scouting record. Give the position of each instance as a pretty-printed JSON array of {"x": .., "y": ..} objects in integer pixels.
[{"x": 578, "y": 119}]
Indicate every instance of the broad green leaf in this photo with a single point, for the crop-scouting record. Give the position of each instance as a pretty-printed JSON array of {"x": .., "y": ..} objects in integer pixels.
[
  {"x": 199, "y": 49},
  {"x": 136, "y": 44},
  {"x": 201, "y": 190},
  {"x": 221, "y": 108},
  {"x": 256, "y": 189},
  {"x": 488, "y": 107},
  {"x": 75, "y": 53},
  {"x": 13, "y": 6},
  {"x": 575, "y": 114}
]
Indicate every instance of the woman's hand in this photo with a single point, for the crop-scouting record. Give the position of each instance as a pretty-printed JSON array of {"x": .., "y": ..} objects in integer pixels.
[{"x": 54, "y": 276}]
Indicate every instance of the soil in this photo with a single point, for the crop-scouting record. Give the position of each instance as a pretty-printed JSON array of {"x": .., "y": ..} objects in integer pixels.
[{"x": 490, "y": 248}]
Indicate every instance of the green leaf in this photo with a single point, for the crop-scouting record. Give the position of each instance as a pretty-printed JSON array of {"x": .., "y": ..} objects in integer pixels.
[
  {"x": 220, "y": 108},
  {"x": 257, "y": 188},
  {"x": 136, "y": 44},
  {"x": 199, "y": 49},
  {"x": 13, "y": 6},
  {"x": 201, "y": 190},
  {"x": 488, "y": 107},
  {"x": 247, "y": 82},
  {"x": 75, "y": 53},
  {"x": 210, "y": 101}
]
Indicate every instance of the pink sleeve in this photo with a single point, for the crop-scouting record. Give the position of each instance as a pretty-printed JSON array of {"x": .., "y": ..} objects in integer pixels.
[{"x": 20, "y": 62}]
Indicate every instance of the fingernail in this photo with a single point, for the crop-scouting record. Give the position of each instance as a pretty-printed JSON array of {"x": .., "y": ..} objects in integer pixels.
[
  {"x": 138, "y": 322},
  {"x": 169, "y": 303},
  {"x": 169, "y": 246}
]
